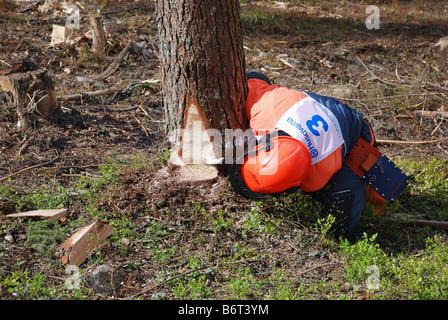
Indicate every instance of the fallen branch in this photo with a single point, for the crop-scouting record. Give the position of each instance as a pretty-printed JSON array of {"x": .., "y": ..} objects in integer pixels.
[
  {"x": 105, "y": 13},
  {"x": 27, "y": 169},
  {"x": 85, "y": 95},
  {"x": 320, "y": 266},
  {"x": 115, "y": 64},
  {"x": 25, "y": 145},
  {"x": 432, "y": 223},
  {"x": 118, "y": 107},
  {"x": 408, "y": 142},
  {"x": 168, "y": 280},
  {"x": 184, "y": 274},
  {"x": 141, "y": 125},
  {"x": 424, "y": 113},
  {"x": 392, "y": 96},
  {"x": 374, "y": 75},
  {"x": 115, "y": 91},
  {"x": 73, "y": 167}
]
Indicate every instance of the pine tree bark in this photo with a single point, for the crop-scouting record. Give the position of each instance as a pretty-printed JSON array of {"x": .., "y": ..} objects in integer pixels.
[{"x": 203, "y": 72}]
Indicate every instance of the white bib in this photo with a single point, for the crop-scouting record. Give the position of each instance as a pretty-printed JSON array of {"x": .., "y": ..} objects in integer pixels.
[{"x": 313, "y": 124}]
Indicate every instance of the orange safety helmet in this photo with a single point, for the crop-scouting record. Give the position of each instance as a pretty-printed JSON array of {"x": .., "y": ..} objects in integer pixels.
[{"x": 277, "y": 164}]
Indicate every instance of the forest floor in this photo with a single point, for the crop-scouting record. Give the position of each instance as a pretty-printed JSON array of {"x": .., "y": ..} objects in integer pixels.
[{"x": 102, "y": 160}]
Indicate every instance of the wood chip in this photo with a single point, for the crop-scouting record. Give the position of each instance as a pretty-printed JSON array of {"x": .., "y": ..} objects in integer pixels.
[
  {"x": 78, "y": 247},
  {"x": 41, "y": 214}
]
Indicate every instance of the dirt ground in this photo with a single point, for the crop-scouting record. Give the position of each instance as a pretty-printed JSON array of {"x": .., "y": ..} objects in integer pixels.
[{"x": 317, "y": 46}]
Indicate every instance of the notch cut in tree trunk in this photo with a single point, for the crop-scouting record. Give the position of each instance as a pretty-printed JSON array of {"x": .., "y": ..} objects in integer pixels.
[
  {"x": 203, "y": 77},
  {"x": 33, "y": 96}
]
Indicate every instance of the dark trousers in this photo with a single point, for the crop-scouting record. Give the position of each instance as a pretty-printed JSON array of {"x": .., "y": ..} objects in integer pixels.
[
  {"x": 345, "y": 194},
  {"x": 344, "y": 198}
]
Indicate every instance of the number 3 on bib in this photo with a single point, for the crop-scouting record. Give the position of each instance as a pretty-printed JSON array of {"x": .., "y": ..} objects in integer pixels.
[{"x": 316, "y": 122}]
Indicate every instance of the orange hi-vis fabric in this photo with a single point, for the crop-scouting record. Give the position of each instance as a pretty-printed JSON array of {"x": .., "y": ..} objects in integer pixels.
[
  {"x": 265, "y": 106},
  {"x": 275, "y": 170}
]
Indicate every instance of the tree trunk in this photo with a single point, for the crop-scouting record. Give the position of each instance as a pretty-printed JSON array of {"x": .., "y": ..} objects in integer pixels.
[{"x": 203, "y": 75}]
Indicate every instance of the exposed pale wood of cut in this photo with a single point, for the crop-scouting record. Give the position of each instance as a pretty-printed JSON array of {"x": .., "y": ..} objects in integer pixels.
[
  {"x": 78, "y": 247},
  {"x": 42, "y": 214},
  {"x": 196, "y": 173}
]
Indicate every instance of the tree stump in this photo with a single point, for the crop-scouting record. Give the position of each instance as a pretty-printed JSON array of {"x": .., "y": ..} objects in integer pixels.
[
  {"x": 33, "y": 96},
  {"x": 98, "y": 35}
]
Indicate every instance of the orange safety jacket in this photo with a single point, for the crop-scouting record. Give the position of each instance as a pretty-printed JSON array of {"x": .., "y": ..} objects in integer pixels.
[{"x": 266, "y": 104}]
